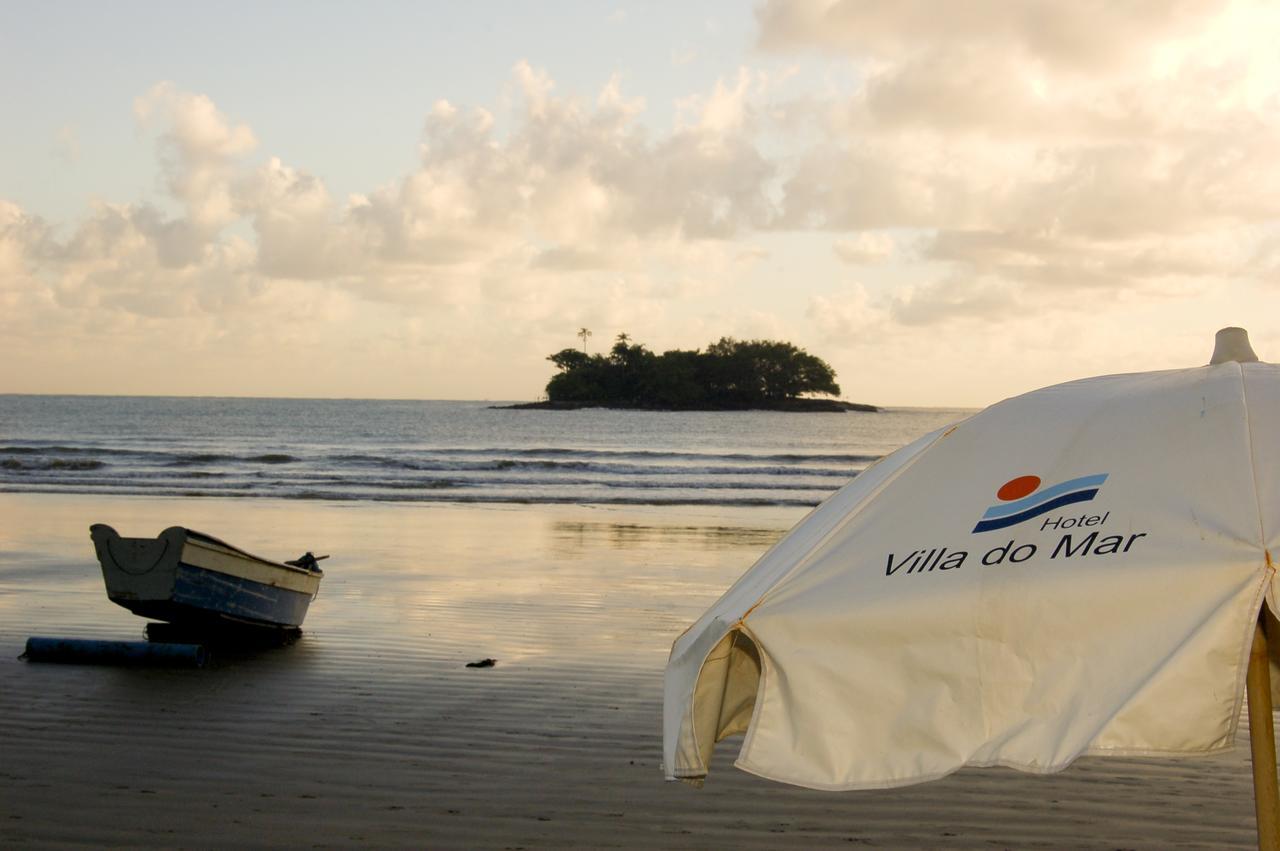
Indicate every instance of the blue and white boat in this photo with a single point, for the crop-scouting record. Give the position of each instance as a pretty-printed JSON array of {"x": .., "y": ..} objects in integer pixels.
[{"x": 188, "y": 577}]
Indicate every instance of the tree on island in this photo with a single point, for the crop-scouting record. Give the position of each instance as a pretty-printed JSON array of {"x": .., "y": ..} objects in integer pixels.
[{"x": 729, "y": 374}]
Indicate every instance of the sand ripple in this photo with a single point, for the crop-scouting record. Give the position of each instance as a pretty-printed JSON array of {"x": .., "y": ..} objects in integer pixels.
[{"x": 371, "y": 731}]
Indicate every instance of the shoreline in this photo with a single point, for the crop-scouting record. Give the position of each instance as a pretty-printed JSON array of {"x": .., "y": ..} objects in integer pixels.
[{"x": 370, "y": 730}]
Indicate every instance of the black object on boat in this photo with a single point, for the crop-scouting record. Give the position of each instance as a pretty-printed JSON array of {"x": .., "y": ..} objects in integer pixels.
[
  {"x": 83, "y": 651},
  {"x": 308, "y": 561}
]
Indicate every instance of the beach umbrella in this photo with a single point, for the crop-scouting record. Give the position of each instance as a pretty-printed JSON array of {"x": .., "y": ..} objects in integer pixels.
[{"x": 1083, "y": 569}]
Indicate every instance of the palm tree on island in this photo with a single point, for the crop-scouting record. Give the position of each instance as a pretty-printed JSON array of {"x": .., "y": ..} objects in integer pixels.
[{"x": 584, "y": 333}]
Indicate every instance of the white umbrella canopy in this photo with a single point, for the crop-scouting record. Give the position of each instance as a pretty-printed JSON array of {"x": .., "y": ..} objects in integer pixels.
[{"x": 1078, "y": 570}]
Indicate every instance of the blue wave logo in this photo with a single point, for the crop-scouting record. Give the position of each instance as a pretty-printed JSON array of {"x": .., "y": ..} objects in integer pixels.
[{"x": 1022, "y": 498}]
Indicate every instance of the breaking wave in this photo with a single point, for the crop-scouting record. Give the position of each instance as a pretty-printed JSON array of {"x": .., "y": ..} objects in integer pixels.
[{"x": 435, "y": 451}]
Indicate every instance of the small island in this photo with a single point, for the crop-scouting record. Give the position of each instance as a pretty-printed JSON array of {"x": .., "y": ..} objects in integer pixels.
[{"x": 729, "y": 375}]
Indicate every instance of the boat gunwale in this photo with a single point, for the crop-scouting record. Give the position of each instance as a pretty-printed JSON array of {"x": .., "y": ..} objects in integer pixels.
[{"x": 203, "y": 539}]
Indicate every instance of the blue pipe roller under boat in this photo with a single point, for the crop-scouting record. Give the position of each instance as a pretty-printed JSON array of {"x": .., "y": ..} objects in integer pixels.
[{"x": 83, "y": 651}]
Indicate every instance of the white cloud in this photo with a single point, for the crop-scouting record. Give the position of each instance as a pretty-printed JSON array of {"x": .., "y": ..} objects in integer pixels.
[
  {"x": 865, "y": 247},
  {"x": 1077, "y": 147},
  {"x": 573, "y": 209},
  {"x": 973, "y": 163},
  {"x": 955, "y": 298},
  {"x": 850, "y": 315},
  {"x": 199, "y": 152},
  {"x": 1086, "y": 35}
]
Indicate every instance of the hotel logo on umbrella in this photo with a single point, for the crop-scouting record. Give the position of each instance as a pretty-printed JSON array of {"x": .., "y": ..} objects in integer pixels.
[{"x": 1022, "y": 499}]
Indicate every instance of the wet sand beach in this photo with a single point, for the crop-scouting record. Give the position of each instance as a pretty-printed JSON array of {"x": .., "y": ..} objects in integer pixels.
[{"x": 371, "y": 731}]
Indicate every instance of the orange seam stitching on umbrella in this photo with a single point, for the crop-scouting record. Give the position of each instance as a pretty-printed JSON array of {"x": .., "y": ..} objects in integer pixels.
[
  {"x": 849, "y": 517},
  {"x": 1262, "y": 535},
  {"x": 762, "y": 557},
  {"x": 738, "y": 628},
  {"x": 1253, "y": 461},
  {"x": 1271, "y": 568},
  {"x": 779, "y": 543},
  {"x": 1242, "y": 662},
  {"x": 703, "y": 765}
]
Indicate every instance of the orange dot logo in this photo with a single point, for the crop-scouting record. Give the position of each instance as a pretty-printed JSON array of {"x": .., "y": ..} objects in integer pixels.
[{"x": 1018, "y": 488}]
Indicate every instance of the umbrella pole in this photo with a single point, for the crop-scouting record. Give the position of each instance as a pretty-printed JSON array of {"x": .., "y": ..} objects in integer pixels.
[{"x": 1262, "y": 740}]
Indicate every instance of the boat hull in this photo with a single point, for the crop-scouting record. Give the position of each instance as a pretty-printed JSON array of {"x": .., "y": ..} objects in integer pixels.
[{"x": 183, "y": 576}]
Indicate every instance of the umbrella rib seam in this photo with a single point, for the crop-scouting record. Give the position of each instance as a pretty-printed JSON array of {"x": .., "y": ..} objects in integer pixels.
[
  {"x": 850, "y": 517},
  {"x": 1242, "y": 663},
  {"x": 1253, "y": 462}
]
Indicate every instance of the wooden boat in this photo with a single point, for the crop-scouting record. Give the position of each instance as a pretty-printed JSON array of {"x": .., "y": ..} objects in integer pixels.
[{"x": 188, "y": 577}]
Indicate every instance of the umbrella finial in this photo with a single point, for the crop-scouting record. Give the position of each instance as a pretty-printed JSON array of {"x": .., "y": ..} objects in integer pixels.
[{"x": 1232, "y": 344}]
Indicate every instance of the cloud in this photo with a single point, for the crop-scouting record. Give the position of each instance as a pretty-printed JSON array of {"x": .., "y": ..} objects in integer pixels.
[
  {"x": 24, "y": 241},
  {"x": 1036, "y": 258},
  {"x": 578, "y": 178},
  {"x": 572, "y": 212},
  {"x": 199, "y": 150},
  {"x": 1036, "y": 145},
  {"x": 849, "y": 315},
  {"x": 572, "y": 259},
  {"x": 1085, "y": 35},
  {"x": 865, "y": 248},
  {"x": 970, "y": 162},
  {"x": 951, "y": 298},
  {"x": 293, "y": 218}
]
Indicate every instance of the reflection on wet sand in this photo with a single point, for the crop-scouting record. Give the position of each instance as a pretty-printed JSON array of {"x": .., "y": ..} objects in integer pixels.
[
  {"x": 581, "y": 534},
  {"x": 419, "y": 585},
  {"x": 371, "y": 731}
]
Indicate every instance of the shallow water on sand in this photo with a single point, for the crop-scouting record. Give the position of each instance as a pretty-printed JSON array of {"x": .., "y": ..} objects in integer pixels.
[
  {"x": 371, "y": 730},
  {"x": 440, "y": 582}
]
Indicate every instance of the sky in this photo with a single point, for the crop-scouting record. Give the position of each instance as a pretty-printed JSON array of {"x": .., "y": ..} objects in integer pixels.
[{"x": 950, "y": 203}]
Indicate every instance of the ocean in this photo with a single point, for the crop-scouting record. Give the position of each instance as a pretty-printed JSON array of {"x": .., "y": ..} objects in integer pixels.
[{"x": 439, "y": 451}]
